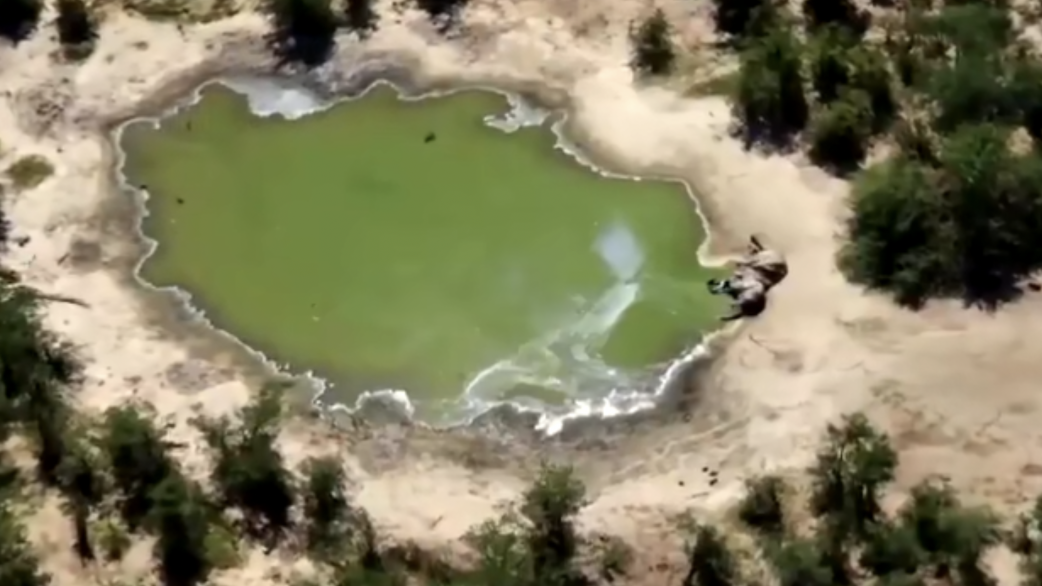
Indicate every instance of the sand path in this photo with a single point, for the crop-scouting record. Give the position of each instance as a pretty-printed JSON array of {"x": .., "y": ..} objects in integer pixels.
[{"x": 955, "y": 386}]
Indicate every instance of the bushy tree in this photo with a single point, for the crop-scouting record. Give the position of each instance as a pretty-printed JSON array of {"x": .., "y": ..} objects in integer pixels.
[
  {"x": 550, "y": 506},
  {"x": 1026, "y": 540},
  {"x": 893, "y": 239},
  {"x": 761, "y": 508},
  {"x": 503, "y": 557},
  {"x": 952, "y": 536},
  {"x": 360, "y": 17},
  {"x": 19, "y": 566},
  {"x": 891, "y": 548},
  {"x": 653, "y": 51},
  {"x": 537, "y": 545},
  {"x": 967, "y": 72},
  {"x": 850, "y": 470},
  {"x": 711, "y": 561},
  {"x": 829, "y": 62},
  {"x": 77, "y": 29},
  {"x": 248, "y": 470},
  {"x": 82, "y": 483},
  {"x": 1025, "y": 88},
  {"x": 138, "y": 455},
  {"x": 770, "y": 104},
  {"x": 180, "y": 517},
  {"x": 966, "y": 226},
  {"x": 444, "y": 14},
  {"x": 35, "y": 366},
  {"x": 326, "y": 508},
  {"x": 19, "y": 18},
  {"x": 840, "y": 13},
  {"x": 840, "y": 132},
  {"x": 36, "y": 370},
  {"x": 799, "y": 562},
  {"x": 738, "y": 18},
  {"x": 302, "y": 30}
]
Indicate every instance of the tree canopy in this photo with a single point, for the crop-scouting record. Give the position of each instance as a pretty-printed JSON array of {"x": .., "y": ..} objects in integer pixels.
[
  {"x": 19, "y": 18},
  {"x": 653, "y": 51},
  {"x": 302, "y": 31}
]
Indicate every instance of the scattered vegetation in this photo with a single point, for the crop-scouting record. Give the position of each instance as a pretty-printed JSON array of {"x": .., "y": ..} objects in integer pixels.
[
  {"x": 28, "y": 172},
  {"x": 653, "y": 51}
]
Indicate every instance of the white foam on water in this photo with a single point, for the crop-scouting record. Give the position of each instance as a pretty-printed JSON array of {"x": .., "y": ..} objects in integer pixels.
[{"x": 268, "y": 97}]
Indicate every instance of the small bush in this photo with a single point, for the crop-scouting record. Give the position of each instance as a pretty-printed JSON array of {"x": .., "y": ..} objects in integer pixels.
[
  {"x": 761, "y": 508},
  {"x": 222, "y": 548},
  {"x": 302, "y": 30},
  {"x": 653, "y": 51},
  {"x": 840, "y": 132},
  {"x": 712, "y": 563},
  {"x": 113, "y": 539}
]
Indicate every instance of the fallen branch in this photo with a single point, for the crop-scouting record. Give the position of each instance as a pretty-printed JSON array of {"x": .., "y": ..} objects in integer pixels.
[{"x": 62, "y": 299}]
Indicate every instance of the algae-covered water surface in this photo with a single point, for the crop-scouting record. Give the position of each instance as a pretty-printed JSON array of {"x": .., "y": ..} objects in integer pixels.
[{"x": 390, "y": 244}]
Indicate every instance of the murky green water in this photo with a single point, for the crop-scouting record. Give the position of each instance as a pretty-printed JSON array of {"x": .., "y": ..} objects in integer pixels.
[{"x": 390, "y": 244}]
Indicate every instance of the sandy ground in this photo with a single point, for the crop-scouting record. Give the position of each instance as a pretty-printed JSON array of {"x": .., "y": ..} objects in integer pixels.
[{"x": 955, "y": 386}]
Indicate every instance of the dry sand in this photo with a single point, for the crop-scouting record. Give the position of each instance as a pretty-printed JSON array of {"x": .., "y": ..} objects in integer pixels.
[{"x": 955, "y": 387}]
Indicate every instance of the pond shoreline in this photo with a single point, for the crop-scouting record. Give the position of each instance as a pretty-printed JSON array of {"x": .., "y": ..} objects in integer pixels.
[{"x": 332, "y": 86}]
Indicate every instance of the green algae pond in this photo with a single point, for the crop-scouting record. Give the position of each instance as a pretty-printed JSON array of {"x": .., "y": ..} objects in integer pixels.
[{"x": 393, "y": 244}]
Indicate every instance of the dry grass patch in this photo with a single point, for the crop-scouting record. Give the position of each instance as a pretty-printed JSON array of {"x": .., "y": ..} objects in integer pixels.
[{"x": 29, "y": 171}]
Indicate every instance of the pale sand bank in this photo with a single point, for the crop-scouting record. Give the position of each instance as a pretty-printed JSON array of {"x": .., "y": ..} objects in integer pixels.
[{"x": 957, "y": 388}]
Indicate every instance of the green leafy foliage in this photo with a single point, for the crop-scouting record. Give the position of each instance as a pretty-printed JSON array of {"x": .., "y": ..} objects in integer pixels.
[
  {"x": 840, "y": 132},
  {"x": 966, "y": 227},
  {"x": 839, "y": 13},
  {"x": 891, "y": 548},
  {"x": 138, "y": 454},
  {"x": 770, "y": 104},
  {"x": 179, "y": 514},
  {"x": 653, "y": 51},
  {"x": 849, "y": 472},
  {"x": 1026, "y": 540},
  {"x": 248, "y": 470},
  {"x": 799, "y": 562},
  {"x": 326, "y": 508},
  {"x": 550, "y": 506},
  {"x": 19, "y": 566},
  {"x": 711, "y": 561},
  {"x": 762, "y": 508},
  {"x": 953, "y": 537}
]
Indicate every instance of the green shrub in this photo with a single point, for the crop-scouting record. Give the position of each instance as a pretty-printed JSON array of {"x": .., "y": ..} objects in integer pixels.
[{"x": 652, "y": 42}]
